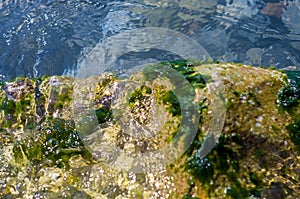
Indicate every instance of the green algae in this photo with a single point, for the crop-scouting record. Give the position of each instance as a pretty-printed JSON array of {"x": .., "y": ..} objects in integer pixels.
[
  {"x": 17, "y": 112},
  {"x": 63, "y": 99},
  {"x": 185, "y": 69},
  {"x": 225, "y": 160},
  {"x": 103, "y": 114},
  {"x": 169, "y": 99},
  {"x": 289, "y": 96},
  {"x": 139, "y": 94},
  {"x": 294, "y": 130},
  {"x": 289, "y": 99},
  {"x": 221, "y": 161},
  {"x": 56, "y": 140}
]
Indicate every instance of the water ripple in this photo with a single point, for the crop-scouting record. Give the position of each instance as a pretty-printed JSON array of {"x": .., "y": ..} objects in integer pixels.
[{"x": 50, "y": 36}]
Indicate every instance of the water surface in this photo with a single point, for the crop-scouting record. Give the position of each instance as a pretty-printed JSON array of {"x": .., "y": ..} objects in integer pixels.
[{"x": 48, "y": 37}]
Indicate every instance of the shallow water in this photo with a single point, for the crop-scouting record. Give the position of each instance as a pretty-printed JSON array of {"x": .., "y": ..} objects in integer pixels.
[{"x": 50, "y": 37}]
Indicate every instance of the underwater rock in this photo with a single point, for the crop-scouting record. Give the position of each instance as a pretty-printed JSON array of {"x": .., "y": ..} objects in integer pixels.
[{"x": 45, "y": 154}]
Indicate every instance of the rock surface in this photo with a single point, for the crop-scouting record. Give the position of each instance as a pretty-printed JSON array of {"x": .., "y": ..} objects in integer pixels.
[{"x": 45, "y": 153}]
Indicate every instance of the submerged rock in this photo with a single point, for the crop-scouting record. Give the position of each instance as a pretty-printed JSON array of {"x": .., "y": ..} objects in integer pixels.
[{"x": 67, "y": 138}]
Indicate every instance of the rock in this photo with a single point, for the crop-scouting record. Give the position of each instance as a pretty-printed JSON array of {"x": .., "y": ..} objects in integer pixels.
[{"x": 99, "y": 149}]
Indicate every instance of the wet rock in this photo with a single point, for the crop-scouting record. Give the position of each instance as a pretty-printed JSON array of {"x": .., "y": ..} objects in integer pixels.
[
  {"x": 275, "y": 191},
  {"x": 19, "y": 88},
  {"x": 45, "y": 154}
]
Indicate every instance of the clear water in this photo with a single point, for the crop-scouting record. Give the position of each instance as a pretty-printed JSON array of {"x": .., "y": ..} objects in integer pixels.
[{"x": 46, "y": 37}]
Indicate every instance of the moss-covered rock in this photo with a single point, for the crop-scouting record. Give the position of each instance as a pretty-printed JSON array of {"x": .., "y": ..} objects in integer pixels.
[
  {"x": 44, "y": 153},
  {"x": 255, "y": 150}
]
